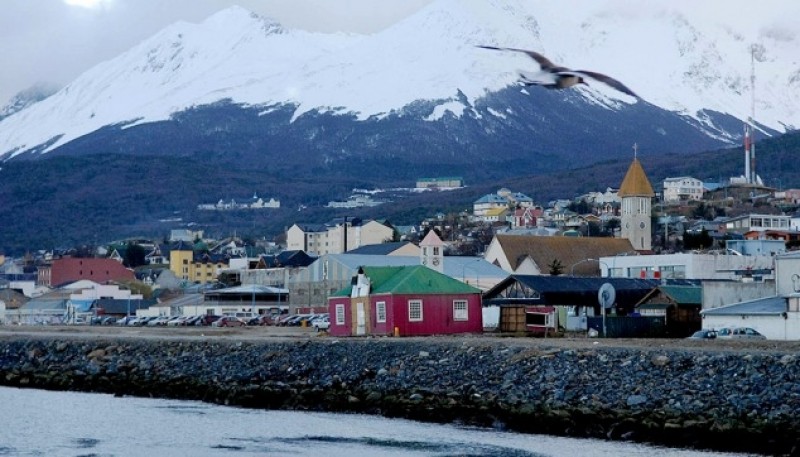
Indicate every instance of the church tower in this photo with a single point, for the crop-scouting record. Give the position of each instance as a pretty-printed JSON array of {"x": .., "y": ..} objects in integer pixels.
[
  {"x": 431, "y": 252},
  {"x": 636, "y": 194}
]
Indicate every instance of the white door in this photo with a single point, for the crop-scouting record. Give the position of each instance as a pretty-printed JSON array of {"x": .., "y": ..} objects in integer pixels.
[{"x": 361, "y": 319}]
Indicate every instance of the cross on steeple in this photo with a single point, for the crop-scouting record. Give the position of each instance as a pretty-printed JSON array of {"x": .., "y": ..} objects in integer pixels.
[{"x": 635, "y": 149}]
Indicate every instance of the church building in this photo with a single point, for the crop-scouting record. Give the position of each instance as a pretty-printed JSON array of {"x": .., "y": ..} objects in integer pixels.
[{"x": 636, "y": 194}]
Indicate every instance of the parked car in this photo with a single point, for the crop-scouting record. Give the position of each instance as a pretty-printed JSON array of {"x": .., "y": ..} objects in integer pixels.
[
  {"x": 178, "y": 321},
  {"x": 126, "y": 320},
  {"x": 193, "y": 320},
  {"x": 261, "y": 320},
  {"x": 298, "y": 319},
  {"x": 705, "y": 334},
  {"x": 740, "y": 333},
  {"x": 322, "y": 324},
  {"x": 207, "y": 319},
  {"x": 159, "y": 321},
  {"x": 228, "y": 321}
]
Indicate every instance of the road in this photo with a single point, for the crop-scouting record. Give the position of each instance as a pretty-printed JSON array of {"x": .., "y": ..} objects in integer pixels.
[{"x": 283, "y": 334}]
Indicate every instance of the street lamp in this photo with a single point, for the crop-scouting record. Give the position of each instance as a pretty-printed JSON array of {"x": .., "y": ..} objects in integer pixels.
[
  {"x": 572, "y": 267},
  {"x": 464, "y": 267}
]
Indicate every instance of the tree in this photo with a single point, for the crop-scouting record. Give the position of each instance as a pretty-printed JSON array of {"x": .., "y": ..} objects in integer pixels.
[
  {"x": 700, "y": 240},
  {"x": 556, "y": 267},
  {"x": 134, "y": 256}
]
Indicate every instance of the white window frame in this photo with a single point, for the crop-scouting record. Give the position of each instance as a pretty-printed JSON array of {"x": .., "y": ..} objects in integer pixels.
[
  {"x": 460, "y": 310},
  {"x": 340, "y": 314},
  {"x": 411, "y": 312},
  {"x": 380, "y": 311}
]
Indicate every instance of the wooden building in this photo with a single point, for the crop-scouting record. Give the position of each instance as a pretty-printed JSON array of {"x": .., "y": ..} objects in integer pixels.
[
  {"x": 537, "y": 304},
  {"x": 405, "y": 301},
  {"x": 679, "y": 306}
]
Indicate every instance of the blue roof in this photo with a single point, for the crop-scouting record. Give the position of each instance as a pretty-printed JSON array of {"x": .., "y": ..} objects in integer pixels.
[
  {"x": 378, "y": 249},
  {"x": 454, "y": 266},
  {"x": 491, "y": 198},
  {"x": 764, "y": 306}
]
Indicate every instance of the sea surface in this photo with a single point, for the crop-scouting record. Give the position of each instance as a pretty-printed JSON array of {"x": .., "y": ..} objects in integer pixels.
[{"x": 43, "y": 423}]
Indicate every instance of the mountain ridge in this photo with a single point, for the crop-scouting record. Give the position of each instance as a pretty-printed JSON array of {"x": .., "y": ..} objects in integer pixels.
[{"x": 255, "y": 61}]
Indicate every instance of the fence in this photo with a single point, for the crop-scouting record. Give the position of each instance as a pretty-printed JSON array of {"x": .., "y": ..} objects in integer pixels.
[{"x": 630, "y": 327}]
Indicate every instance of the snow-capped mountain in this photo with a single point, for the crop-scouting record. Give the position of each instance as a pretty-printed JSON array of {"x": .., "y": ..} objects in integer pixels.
[
  {"x": 27, "y": 97},
  {"x": 428, "y": 67}
]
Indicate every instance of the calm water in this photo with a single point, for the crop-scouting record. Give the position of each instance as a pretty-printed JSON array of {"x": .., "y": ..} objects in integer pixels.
[{"x": 40, "y": 423}]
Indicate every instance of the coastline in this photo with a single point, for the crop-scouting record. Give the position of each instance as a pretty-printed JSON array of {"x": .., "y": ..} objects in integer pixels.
[{"x": 726, "y": 399}]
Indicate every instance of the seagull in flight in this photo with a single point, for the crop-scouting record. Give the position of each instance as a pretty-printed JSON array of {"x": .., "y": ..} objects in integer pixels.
[{"x": 553, "y": 76}]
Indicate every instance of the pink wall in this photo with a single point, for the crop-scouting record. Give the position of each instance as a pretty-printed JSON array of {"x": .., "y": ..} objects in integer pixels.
[{"x": 437, "y": 315}]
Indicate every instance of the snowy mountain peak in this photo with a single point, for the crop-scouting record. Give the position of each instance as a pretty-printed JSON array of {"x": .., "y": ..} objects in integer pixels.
[
  {"x": 238, "y": 18},
  {"x": 27, "y": 97},
  {"x": 672, "y": 60}
]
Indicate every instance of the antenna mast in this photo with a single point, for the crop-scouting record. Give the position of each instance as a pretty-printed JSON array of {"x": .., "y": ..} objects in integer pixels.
[{"x": 753, "y": 177}]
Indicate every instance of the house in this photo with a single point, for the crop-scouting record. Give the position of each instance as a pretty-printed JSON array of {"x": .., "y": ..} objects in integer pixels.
[
  {"x": 488, "y": 202},
  {"x": 495, "y": 214},
  {"x": 404, "y": 301},
  {"x": 679, "y": 306},
  {"x": 193, "y": 264},
  {"x": 536, "y": 255},
  {"x": 682, "y": 189},
  {"x": 543, "y": 304},
  {"x": 526, "y": 217},
  {"x": 66, "y": 270},
  {"x": 337, "y": 236}
]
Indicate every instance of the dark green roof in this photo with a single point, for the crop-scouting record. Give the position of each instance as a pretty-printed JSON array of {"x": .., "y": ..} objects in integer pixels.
[
  {"x": 415, "y": 279},
  {"x": 684, "y": 295}
]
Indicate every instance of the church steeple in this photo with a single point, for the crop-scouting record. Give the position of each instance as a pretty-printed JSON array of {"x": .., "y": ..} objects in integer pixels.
[
  {"x": 432, "y": 252},
  {"x": 636, "y": 194}
]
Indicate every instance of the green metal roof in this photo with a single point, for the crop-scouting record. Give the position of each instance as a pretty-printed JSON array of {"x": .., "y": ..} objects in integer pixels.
[
  {"x": 684, "y": 295},
  {"x": 415, "y": 279}
]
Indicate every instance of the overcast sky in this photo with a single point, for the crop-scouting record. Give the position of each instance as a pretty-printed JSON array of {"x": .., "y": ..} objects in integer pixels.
[{"x": 57, "y": 40}]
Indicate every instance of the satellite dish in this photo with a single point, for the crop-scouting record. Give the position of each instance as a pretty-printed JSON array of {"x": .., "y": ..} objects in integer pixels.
[{"x": 606, "y": 295}]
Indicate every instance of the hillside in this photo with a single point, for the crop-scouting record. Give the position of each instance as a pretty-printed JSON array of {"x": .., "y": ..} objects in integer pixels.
[{"x": 65, "y": 201}]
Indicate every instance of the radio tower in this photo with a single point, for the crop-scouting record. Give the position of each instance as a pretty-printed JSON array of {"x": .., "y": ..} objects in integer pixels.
[{"x": 749, "y": 127}]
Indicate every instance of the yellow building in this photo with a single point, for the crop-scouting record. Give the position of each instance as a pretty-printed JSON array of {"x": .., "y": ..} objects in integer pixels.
[{"x": 199, "y": 269}]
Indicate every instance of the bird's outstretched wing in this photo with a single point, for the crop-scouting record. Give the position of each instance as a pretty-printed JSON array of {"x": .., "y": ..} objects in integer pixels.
[
  {"x": 607, "y": 80},
  {"x": 543, "y": 61}
]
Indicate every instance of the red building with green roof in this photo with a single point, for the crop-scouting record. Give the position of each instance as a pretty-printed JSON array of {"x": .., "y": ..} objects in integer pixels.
[{"x": 405, "y": 301}]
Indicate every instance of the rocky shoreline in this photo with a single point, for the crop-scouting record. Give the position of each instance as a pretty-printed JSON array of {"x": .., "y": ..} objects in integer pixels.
[{"x": 733, "y": 401}]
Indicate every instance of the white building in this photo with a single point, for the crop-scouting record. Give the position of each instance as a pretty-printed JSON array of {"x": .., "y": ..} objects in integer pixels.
[
  {"x": 320, "y": 239},
  {"x": 684, "y": 188},
  {"x": 777, "y": 317},
  {"x": 688, "y": 266},
  {"x": 758, "y": 222}
]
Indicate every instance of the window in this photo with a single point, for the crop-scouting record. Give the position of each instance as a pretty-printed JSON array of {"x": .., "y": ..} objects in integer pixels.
[
  {"x": 415, "y": 310},
  {"x": 460, "y": 310},
  {"x": 380, "y": 311},
  {"x": 340, "y": 314}
]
